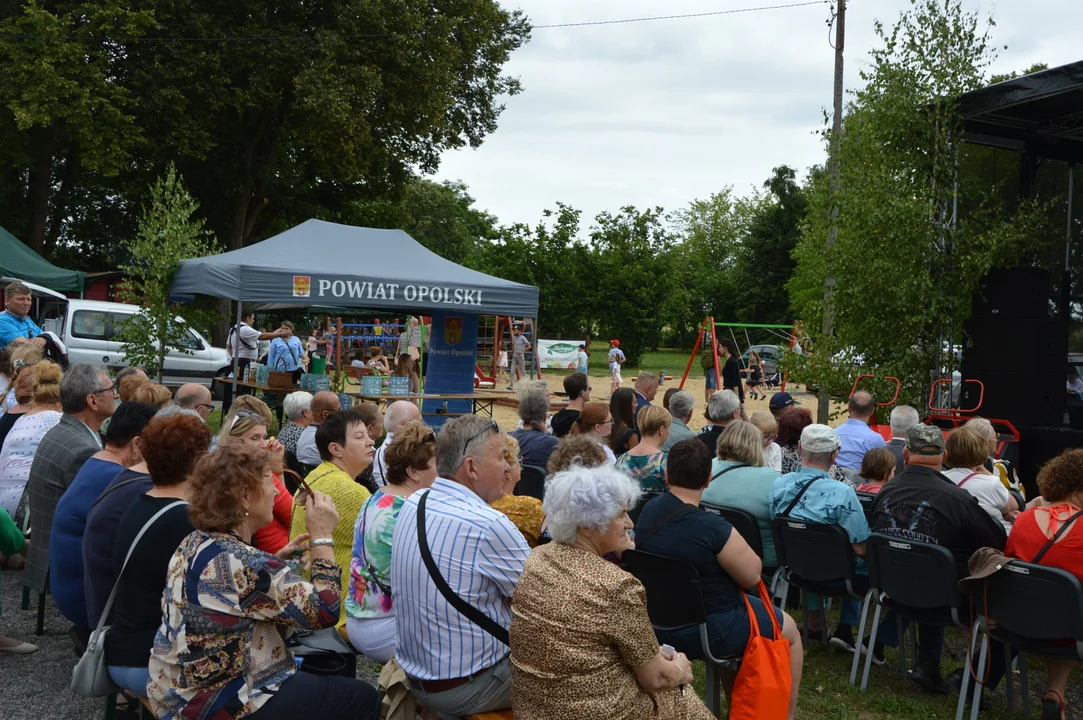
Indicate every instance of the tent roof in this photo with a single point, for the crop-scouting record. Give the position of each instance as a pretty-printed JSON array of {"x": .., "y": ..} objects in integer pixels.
[
  {"x": 323, "y": 263},
  {"x": 1040, "y": 113},
  {"x": 19, "y": 261}
]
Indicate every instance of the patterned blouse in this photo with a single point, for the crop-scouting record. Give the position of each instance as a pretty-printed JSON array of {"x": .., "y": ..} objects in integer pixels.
[
  {"x": 525, "y": 512},
  {"x": 222, "y": 652},
  {"x": 648, "y": 470},
  {"x": 370, "y": 566},
  {"x": 289, "y": 435}
]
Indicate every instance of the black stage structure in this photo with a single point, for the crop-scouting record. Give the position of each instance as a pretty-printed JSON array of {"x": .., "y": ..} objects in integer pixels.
[{"x": 1019, "y": 332}]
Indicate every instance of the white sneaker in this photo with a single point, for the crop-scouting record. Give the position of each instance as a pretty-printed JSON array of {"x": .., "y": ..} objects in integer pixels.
[{"x": 23, "y": 648}]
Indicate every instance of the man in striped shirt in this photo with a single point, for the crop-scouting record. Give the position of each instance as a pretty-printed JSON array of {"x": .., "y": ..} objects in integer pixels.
[{"x": 455, "y": 666}]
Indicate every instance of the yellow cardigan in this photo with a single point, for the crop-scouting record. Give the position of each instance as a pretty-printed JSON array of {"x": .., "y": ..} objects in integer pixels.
[{"x": 348, "y": 497}]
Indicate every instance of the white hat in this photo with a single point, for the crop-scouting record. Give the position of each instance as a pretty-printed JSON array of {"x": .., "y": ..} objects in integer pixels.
[{"x": 819, "y": 439}]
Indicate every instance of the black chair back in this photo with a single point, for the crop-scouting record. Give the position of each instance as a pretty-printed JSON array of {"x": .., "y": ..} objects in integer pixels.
[
  {"x": 914, "y": 574},
  {"x": 742, "y": 521},
  {"x": 673, "y": 591},
  {"x": 1034, "y": 601},
  {"x": 532, "y": 482},
  {"x": 813, "y": 552},
  {"x": 643, "y": 500},
  {"x": 866, "y": 499}
]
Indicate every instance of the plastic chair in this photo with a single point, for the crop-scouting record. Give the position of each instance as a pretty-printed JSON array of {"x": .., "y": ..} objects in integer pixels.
[
  {"x": 674, "y": 601},
  {"x": 918, "y": 581},
  {"x": 1009, "y": 600},
  {"x": 532, "y": 482},
  {"x": 866, "y": 499},
  {"x": 645, "y": 498},
  {"x": 816, "y": 558},
  {"x": 742, "y": 521}
]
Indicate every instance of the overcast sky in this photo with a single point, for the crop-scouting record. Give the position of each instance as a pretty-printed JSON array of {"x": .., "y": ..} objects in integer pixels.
[{"x": 660, "y": 113}]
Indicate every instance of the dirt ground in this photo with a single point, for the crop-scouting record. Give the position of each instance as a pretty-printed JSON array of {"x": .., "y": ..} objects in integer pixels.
[{"x": 507, "y": 417}]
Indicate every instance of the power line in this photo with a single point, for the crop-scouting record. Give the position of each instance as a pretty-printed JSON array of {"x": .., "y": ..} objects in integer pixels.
[{"x": 373, "y": 36}]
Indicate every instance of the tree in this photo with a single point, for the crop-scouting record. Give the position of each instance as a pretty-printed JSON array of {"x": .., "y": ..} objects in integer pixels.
[
  {"x": 905, "y": 273},
  {"x": 168, "y": 233}
]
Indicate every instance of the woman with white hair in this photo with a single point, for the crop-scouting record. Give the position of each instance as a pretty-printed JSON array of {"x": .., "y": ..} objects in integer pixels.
[
  {"x": 999, "y": 467},
  {"x": 581, "y": 637},
  {"x": 298, "y": 408},
  {"x": 536, "y": 444}
]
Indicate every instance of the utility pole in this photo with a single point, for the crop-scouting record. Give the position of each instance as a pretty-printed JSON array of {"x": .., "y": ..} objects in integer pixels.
[{"x": 823, "y": 408}]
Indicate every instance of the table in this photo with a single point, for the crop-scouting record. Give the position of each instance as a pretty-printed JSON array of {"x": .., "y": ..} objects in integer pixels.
[
  {"x": 254, "y": 386},
  {"x": 482, "y": 402}
]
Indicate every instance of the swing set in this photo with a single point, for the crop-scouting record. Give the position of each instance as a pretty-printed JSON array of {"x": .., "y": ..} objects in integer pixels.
[{"x": 709, "y": 322}]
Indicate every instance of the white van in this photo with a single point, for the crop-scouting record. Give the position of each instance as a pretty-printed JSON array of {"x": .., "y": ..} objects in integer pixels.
[{"x": 88, "y": 329}]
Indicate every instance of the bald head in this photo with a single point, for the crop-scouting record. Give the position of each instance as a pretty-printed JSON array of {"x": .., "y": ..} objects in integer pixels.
[
  {"x": 862, "y": 405},
  {"x": 193, "y": 396},
  {"x": 324, "y": 403},
  {"x": 398, "y": 414}
]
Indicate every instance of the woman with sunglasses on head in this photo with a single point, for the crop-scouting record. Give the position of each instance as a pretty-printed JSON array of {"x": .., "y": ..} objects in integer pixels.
[
  {"x": 249, "y": 428},
  {"x": 596, "y": 422},
  {"x": 410, "y": 462}
]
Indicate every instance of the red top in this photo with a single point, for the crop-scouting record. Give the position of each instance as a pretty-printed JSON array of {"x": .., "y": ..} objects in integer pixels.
[
  {"x": 1027, "y": 538},
  {"x": 870, "y": 487},
  {"x": 275, "y": 535}
]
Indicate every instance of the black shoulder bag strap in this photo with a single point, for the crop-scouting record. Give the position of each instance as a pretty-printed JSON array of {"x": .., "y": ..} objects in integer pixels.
[
  {"x": 1063, "y": 528},
  {"x": 723, "y": 471},
  {"x": 466, "y": 609},
  {"x": 792, "y": 505},
  {"x": 672, "y": 514}
]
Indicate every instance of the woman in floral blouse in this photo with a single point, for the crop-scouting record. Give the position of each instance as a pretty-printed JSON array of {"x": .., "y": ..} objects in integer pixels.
[
  {"x": 410, "y": 465},
  {"x": 221, "y": 650}
]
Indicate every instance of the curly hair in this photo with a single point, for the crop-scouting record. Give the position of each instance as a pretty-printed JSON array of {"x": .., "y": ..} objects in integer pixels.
[
  {"x": 511, "y": 450},
  {"x": 250, "y": 403},
  {"x": 414, "y": 446},
  {"x": 172, "y": 445},
  {"x": 222, "y": 482},
  {"x": 149, "y": 393},
  {"x": 1062, "y": 476},
  {"x": 128, "y": 385},
  {"x": 790, "y": 425},
  {"x": 576, "y": 450}
]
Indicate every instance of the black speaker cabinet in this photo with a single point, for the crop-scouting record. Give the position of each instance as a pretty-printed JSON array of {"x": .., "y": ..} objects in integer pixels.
[
  {"x": 1022, "y": 398},
  {"x": 1017, "y": 293},
  {"x": 1016, "y": 345}
]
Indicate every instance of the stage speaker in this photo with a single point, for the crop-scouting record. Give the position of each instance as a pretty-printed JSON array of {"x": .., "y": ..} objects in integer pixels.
[
  {"x": 1019, "y": 397},
  {"x": 1016, "y": 293},
  {"x": 1016, "y": 345}
]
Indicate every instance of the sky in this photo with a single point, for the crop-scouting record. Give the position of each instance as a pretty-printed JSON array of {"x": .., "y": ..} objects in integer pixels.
[{"x": 661, "y": 113}]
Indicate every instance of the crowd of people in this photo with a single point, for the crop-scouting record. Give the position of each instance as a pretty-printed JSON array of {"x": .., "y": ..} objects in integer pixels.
[{"x": 213, "y": 554}]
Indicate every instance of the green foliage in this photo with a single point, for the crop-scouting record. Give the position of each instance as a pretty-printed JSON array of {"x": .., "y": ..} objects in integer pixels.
[
  {"x": 904, "y": 272},
  {"x": 168, "y": 233}
]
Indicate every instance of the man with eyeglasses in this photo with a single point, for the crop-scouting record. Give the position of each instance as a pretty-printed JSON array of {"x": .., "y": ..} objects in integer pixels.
[
  {"x": 193, "y": 396},
  {"x": 87, "y": 396},
  {"x": 453, "y": 605}
]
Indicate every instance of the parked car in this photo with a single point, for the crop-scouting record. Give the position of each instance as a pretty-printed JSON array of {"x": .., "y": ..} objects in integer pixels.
[
  {"x": 88, "y": 328},
  {"x": 770, "y": 354}
]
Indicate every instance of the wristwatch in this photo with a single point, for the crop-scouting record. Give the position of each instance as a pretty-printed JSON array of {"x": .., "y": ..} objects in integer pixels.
[{"x": 321, "y": 542}]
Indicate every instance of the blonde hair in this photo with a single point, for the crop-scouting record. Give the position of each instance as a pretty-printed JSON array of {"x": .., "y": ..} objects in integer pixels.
[
  {"x": 250, "y": 403},
  {"x": 511, "y": 450},
  {"x": 150, "y": 393},
  {"x": 231, "y": 430},
  {"x": 128, "y": 385},
  {"x": 45, "y": 379},
  {"x": 765, "y": 422},
  {"x": 653, "y": 419},
  {"x": 982, "y": 427},
  {"x": 966, "y": 447},
  {"x": 741, "y": 441}
]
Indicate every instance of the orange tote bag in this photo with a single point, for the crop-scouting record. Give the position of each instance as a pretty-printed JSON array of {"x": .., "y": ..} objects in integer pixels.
[{"x": 763, "y": 685}]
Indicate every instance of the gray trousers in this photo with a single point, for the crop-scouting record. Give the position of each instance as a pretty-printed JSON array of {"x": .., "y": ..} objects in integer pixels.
[
  {"x": 518, "y": 362},
  {"x": 487, "y": 692}
]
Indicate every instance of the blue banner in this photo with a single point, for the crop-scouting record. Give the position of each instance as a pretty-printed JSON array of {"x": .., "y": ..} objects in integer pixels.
[{"x": 450, "y": 365}]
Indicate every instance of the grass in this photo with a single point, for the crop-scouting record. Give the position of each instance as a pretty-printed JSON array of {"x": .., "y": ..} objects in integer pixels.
[{"x": 672, "y": 360}]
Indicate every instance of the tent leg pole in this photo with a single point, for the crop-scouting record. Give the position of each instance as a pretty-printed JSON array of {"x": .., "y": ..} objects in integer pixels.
[{"x": 236, "y": 363}]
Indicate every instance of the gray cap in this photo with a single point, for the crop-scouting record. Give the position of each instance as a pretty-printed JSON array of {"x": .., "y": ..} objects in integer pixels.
[{"x": 819, "y": 439}]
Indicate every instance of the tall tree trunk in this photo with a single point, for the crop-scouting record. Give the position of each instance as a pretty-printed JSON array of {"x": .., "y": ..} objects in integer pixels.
[
  {"x": 41, "y": 180},
  {"x": 60, "y": 204}
]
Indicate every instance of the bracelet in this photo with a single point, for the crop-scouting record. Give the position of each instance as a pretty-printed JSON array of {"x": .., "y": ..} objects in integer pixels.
[{"x": 322, "y": 542}]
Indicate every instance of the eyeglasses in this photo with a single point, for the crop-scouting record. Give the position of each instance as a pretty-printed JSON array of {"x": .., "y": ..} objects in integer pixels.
[
  {"x": 491, "y": 427},
  {"x": 238, "y": 416},
  {"x": 607, "y": 422},
  {"x": 115, "y": 389},
  {"x": 205, "y": 405}
]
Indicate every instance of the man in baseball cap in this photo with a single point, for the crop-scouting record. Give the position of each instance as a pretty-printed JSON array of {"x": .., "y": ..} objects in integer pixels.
[
  {"x": 779, "y": 402},
  {"x": 922, "y": 504},
  {"x": 812, "y": 494}
]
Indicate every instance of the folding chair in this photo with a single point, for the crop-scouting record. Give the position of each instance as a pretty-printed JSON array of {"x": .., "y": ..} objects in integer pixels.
[
  {"x": 866, "y": 499},
  {"x": 674, "y": 601},
  {"x": 918, "y": 581},
  {"x": 745, "y": 523},
  {"x": 817, "y": 558},
  {"x": 1009, "y": 601},
  {"x": 532, "y": 482}
]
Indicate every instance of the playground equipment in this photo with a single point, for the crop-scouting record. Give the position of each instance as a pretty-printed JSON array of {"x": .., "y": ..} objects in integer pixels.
[
  {"x": 709, "y": 322},
  {"x": 884, "y": 430}
]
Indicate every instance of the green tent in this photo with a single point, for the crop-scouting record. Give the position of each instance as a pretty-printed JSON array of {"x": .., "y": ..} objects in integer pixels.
[{"x": 20, "y": 262}]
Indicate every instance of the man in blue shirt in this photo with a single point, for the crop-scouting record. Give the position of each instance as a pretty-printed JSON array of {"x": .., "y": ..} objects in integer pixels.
[
  {"x": 15, "y": 322},
  {"x": 856, "y": 435},
  {"x": 830, "y": 502}
]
